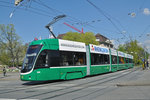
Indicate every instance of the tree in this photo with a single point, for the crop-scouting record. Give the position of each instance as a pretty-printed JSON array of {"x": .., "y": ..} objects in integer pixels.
[
  {"x": 72, "y": 36},
  {"x": 134, "y": 49},
  {"x": 20, "y": 53},
  {"x": 4, "y": 56},
  {"x": 10, "y": 45},
  {"x": 87, "y": 38}
]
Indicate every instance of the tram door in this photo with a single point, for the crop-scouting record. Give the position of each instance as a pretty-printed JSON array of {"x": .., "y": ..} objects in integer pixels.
[
  {"x": 42, "y": 66},
  {"x": 45, "y": 64}
]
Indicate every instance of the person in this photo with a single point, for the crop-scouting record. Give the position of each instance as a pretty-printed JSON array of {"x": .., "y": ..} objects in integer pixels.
[
  {"x": 4, "y": 71},
  {"x": 147, "y": 64},
  {"x": 143, "y": 65}
]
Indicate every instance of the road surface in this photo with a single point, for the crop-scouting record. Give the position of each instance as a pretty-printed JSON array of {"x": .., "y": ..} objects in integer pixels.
[{"x": 131, "y": 84}]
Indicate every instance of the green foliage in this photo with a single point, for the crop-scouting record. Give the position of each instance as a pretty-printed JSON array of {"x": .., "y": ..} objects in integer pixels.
[
  {"x": 134, "y": 49},
  {"x": 72, "y": 36},
  {"x": 121, "y": 48},
  {"x": 11, "y": 48},
  {"x": 87, "y": 38}
]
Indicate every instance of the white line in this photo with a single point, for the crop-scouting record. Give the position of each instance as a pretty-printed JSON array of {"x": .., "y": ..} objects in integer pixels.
[
  {"x": 16, "y": 99},
  {"x": 7, "y": 99},
  {"x": 28, "y": 99},
  {"x": 125, "y": 73}
]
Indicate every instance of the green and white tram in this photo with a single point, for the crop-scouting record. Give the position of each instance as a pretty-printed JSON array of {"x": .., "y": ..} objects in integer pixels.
[{"x": 55, "y": 59}]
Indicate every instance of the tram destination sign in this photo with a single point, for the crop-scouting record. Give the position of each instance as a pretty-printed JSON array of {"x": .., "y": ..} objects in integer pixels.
[{"x": 66, "y": 45}]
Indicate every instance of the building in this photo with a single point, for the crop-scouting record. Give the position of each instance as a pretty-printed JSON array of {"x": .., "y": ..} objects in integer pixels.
[
  {"x": 103, "y": 41},
  {"x": 60, "y": 36}
]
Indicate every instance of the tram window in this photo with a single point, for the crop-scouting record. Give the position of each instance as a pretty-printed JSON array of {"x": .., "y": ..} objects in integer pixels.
[
  {"x": 54, "y": 58},
  {"x": 121, "y": 60},
  {"x": 42, "y": 60},
  {"x": 97, "y": 59},
  {"x": 79, "y": 59},
  {"x": 130, "y": 60},
  {"x": 66, "y": 58},
  {"x": 73, "y": 58},
  {"x": 106, "y": 59},
  {"x": 127, "y": 61},
  {"x": 114, "y": 59}
]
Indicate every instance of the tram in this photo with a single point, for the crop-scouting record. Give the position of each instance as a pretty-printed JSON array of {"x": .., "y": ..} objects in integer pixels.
[{"x": 56, "y": 59}]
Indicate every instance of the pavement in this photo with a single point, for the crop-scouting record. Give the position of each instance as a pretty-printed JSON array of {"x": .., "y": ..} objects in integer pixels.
[
  {"x": 142, "y": 80},
  {"x": 10, "y": 76}
]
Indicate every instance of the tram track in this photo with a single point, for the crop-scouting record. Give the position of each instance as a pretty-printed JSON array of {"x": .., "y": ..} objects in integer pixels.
[
  {"x": 31, "y": 87},
  {"x": 24, "y": 88},
  {"x": 88, "y": 95},
  {"x": 81, "y": 86},
  {"x": 85, "y": 87}
]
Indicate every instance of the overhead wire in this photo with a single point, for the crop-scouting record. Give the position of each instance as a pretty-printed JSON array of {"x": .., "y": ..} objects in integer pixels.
[
  {"x": 99, "y": 10},
  {"x": 42, "y": 14},
  {"x": 45, "y": 13},
  {"x": 144, "y": 32},
  {"x": 69, "y": 17},
  {"x": 107, "y": 17},
  {"x": 71, "y": 20},
  {"x": 44, "y": 5}
]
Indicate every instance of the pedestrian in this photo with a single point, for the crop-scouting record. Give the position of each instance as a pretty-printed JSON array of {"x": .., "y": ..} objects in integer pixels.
[
  {"x": 147, "y": 65},
  {"x": 143, "y": 65},
  {"x": 4, "y": 71}
]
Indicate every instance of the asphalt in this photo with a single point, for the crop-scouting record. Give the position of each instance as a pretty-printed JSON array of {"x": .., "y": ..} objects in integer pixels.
[
  {"x": 10, "y": 76},
  {"x": 142, "y": 80}
]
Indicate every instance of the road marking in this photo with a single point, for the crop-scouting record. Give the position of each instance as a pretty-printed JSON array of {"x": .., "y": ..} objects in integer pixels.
[
  {"x": 64, "y": 85},
  {"x": 28, "y": 99},
  {"x": 7, "y": 99},
  {"x": 16, "y": 99},
  {"x": 125, "y": 73}
]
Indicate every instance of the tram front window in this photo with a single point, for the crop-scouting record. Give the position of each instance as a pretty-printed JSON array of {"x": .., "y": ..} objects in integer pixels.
[{"x": 31, "y": 55}]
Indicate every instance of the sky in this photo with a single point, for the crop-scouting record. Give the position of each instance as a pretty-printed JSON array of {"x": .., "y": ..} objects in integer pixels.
[{"x": 119, "y": 20}]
